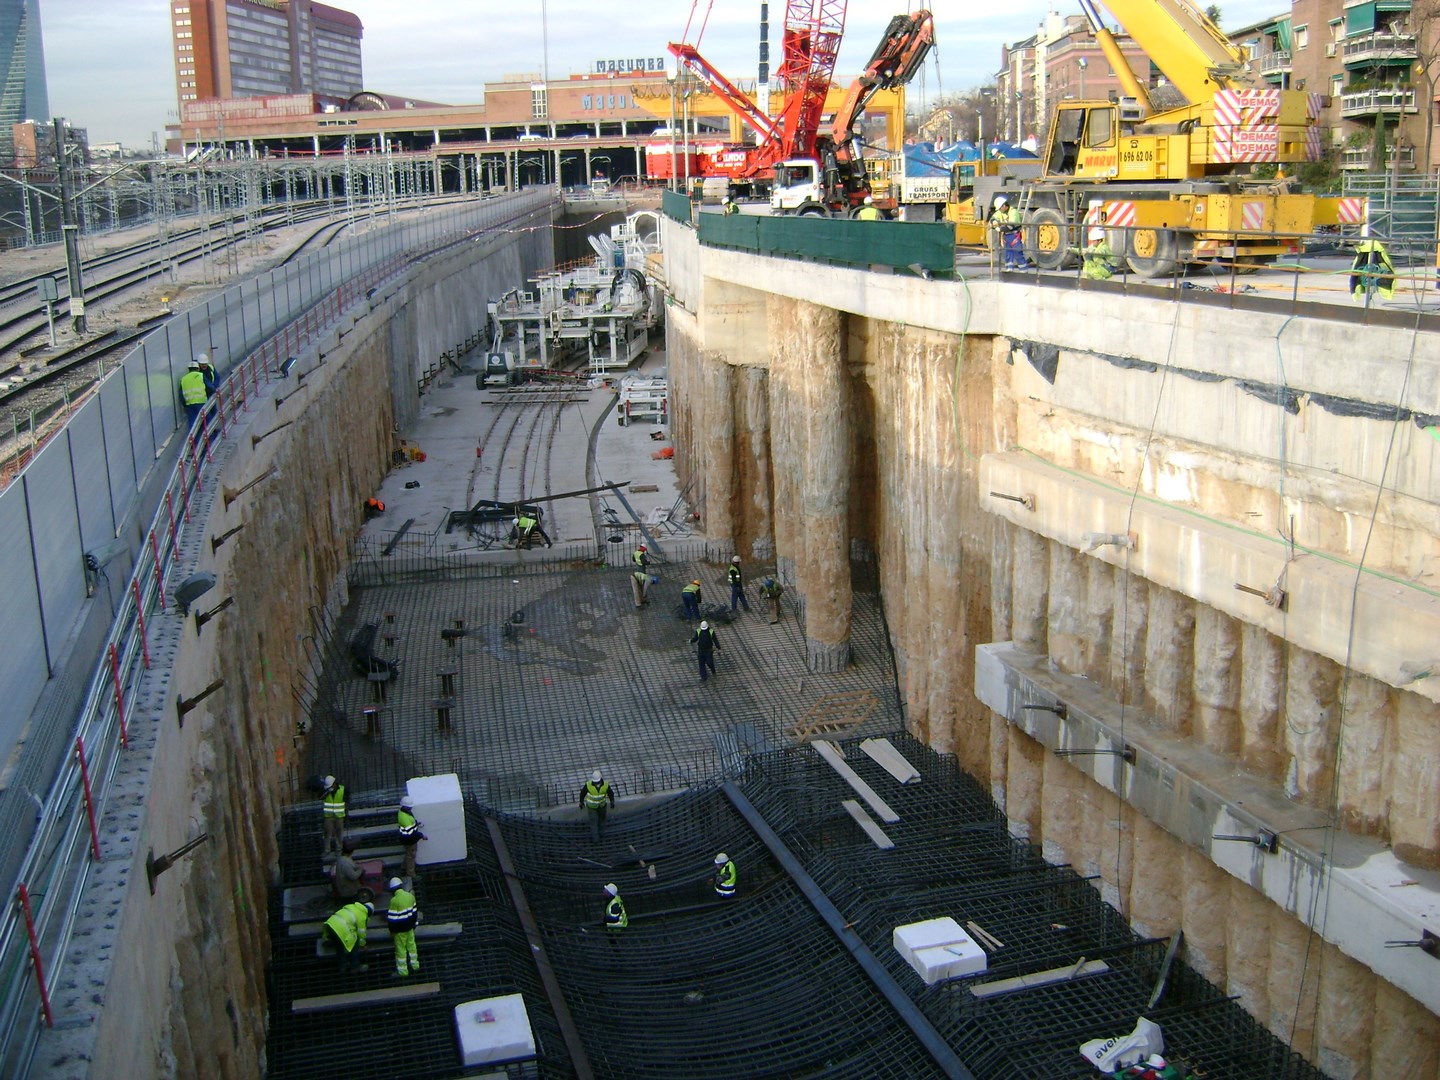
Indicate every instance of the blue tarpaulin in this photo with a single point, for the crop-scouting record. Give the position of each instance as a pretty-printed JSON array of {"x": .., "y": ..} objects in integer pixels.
[{"x": 923, "y": 159}]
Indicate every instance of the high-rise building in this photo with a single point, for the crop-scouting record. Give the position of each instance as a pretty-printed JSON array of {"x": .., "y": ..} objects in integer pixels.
[
  {"x": 22, "y": 70},
  {"x": 263, "y": 48}
]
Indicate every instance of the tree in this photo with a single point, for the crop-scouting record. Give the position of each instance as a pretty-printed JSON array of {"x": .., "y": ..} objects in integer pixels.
[
  {"x": 1424, "y": 23},
  {"x": 1213, "y": 13}
]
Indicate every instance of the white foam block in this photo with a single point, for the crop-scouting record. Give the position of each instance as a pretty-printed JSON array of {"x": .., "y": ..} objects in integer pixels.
[
  {"x": 938, "y": 949},
  {"x": 494, "y": 1029},
  {"x": 923, "y": 935},
  {"x": 440, "y": 806}
]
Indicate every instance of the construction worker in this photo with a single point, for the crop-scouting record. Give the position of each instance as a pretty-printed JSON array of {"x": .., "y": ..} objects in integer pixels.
[
  {"x": 345, "y": 875},
  {"x": 616, "y": 918},
  {"x": 1099, "y": 258},
  {"x": 334, "y": 812},
  {"x": 690, "y": 597},
  {"x": 641, "y": 557},
  {"x": 737, "y": 585},
  {"x": 597, "y": 796},
  {"x": 212, "y": 377},
  {"x": 527, "y": 527},
  {"x": 771, "y": 590},
  {"x": 345, "y": 930},
  {"x": 402, "y": 918},
  {"x": 728, "y": 207},
  {"x": 193, "y": 393},
  {"x": 868, "y": 212},
  {"x": 726, "y": 876},
  {"x": 1372, "y": 270},
  {"x": 640, "y": 585},
  {"x": 1006, "y": 220},
  {"x": 410, "y": 837},
  {"x": 704, "y": 638}
]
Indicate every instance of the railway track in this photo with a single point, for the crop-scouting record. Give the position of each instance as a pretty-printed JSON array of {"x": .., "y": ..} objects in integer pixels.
[{"x": 517, "y": 447}]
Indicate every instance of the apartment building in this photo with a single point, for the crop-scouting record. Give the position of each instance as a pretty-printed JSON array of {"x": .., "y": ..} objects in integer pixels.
[
  {"x": 1368, "y": 58},
  {"x": 264, "y": 48},
  {"x": 1062, "y": 60}
]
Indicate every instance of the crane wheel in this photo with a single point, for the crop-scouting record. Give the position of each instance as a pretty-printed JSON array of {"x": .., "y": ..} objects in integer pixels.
[
  {"x": 1154, "y": 253},
  {"x": 1049, "y": 239}
]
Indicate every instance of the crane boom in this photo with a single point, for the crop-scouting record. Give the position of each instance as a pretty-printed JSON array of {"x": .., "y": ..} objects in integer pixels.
[
  {"x": 739, "y": 103},
  {"x": 906, "y": 43},
  {"x": 810, "y": 43},
  {"x": 1190, "y": 49}
]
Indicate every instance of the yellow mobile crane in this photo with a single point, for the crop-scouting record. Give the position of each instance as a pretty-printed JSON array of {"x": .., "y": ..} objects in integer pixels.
[{"x": 1167, "y": 184}]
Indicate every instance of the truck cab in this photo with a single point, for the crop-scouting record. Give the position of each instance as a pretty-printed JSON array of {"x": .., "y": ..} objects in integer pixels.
[
  {"x": 807, "y": 187},
  {"x": 798, "y": 188}
]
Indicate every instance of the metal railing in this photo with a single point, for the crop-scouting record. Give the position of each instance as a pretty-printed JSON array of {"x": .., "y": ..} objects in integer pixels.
[
  {"x": 1370, "y": 102},
  {"x": 1271, "y": 62},
  {"x": 1379, "y": 46},
  {"x": 57, "y": 867},
  {"x": 35, "y": 930}
]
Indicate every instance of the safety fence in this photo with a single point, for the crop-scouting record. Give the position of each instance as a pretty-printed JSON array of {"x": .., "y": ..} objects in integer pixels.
[
  {"x": 1373, "y": 278},
  {"x": 676, "y": 206},
  {"x": 251, "y": 330},
  {"x": 924, "y": 248}
]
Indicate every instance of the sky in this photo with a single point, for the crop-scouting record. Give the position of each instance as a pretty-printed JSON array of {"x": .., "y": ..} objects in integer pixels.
[{"x": 110, "y": 67}]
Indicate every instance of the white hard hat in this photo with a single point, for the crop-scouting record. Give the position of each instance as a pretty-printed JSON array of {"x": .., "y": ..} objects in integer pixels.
[
  {"x": 407, "y": 803},
  {"x": 595, "y": 777},
  {"x": 370, "y": 907},
  {"x": 704, "y": 625},
  {"x": 868, "y": 200},
  {"x": 721, "y": 859},
  {"x": 1096, "y": 235},
  {"x": 1155, "y": 1061},
  {"x": 204, "y": 358},
  {"x": 612, "y": 889},
  {"x": 1000, "y": 200},
  {"x": 395, "y": 883},
  {"x": 726, "y": 199},
  {"x": 734, "y": 558},
  {"x": 195, "y": 365},
  {"x": 329, "y": 781}
]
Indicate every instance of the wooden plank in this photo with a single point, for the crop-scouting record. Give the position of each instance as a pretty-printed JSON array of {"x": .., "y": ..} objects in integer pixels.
[
  {"x": 377, "y": 923},
  {"x": 388, "y": 995},
  {"x": 876, "y": 834},
  {"x": 1039, "y": 978},
  {"x": 834, "y": 713},
  {"x": 831, "y": 754},
  {"x": 376, "y": 935},
  {"x": 884, "y": 754}
]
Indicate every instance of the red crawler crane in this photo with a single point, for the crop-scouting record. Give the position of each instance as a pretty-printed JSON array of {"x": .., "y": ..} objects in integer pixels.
[{"x": 810, "y": 42}]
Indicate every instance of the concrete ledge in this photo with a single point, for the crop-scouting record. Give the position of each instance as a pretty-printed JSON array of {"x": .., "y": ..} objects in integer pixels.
[
  {"x": 1357, "y": 895},
  {"x": 1395, "y": 626}
]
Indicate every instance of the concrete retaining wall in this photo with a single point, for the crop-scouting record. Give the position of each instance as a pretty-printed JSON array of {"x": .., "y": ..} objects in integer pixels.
[
  {"x": 1235, "y": 425},
  {"x": 181, "y": 973}
]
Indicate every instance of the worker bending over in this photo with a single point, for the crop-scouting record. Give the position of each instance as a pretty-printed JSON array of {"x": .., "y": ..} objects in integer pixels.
[
  {"x": 345, "y": 930},
  {"x": 616, "y": 918}
]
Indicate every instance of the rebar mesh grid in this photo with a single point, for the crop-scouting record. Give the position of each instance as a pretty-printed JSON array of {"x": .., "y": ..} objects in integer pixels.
[
  {"x": 416, "y": 1039},
  {"x": 757, "y": 985},
  {"x": 953, "y": 857},
  {"x": 550, "y": 672}
]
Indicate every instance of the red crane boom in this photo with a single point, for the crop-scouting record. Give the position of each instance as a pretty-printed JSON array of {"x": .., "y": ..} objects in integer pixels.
[{"x": 810, "y": 43}]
